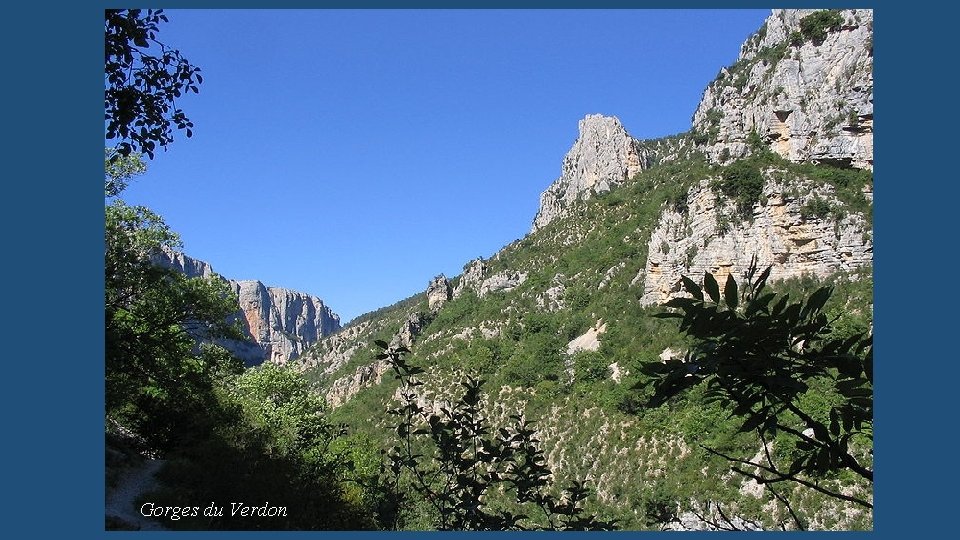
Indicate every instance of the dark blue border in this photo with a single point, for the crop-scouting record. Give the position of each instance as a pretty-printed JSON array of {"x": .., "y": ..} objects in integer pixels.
[{"x": 54, "y": 391}]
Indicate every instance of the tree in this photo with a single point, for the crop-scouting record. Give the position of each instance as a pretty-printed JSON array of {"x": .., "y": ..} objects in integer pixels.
[
  {"x": 160, "y": 326},
  {"x": 473, "y": 462},
  {"x": 265, "y": 437},
  {"x": 781, "y": 370},
  {"x": 119, "y": 170},
  {"x": 141, "y": 89},
  {"x": 154, "y": 319}
]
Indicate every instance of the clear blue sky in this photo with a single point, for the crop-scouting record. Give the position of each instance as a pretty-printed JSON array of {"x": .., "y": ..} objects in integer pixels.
[{"x": 354, "y": 155}]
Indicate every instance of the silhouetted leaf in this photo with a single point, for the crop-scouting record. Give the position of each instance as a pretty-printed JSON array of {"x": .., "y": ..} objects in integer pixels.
[
  {"x": 692, "y": 288},
  {"x": 680, "y": 302},
  {"x": 711, "y": 287},
  {"x": 730, "y": 294},
  {"x": 762, "y": 280},
  {"x": 819, "y": 298}
]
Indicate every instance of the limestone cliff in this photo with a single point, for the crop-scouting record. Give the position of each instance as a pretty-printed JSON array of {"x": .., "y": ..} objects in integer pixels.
[
  {"x": 603, "y": 157},
  {"x": 803, "y": 83},
  {"x": 280, "y": 323},
  {"x": 438, "y": 292},
  {"x": 708, "y": 235}
]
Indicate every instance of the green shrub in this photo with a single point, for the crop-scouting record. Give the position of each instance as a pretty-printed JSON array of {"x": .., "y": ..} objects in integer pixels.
[
  {"x": 815, "y": 208},
  {"x": 742, "y": 181},
  {"x": 816, "y": 25},
  {"x": 772, "y": 55}
]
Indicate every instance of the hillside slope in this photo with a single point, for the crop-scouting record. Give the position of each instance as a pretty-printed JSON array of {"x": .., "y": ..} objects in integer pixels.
[{"x": 560, "y": 323}]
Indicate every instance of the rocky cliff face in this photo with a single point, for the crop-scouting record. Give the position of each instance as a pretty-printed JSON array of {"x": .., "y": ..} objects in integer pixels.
[
  {"x": 603, "y": 157},
  {"x": 471, "y": 279},
  {"x": 708, "y": 236},
  {"x": 280, "y": 323},
  {"x": 438, "y": 292},
  {"x": 804, "y": 84}
]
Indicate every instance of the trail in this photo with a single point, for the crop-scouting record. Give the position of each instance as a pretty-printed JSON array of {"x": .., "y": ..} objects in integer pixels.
[{"x": 121, "y": 501}]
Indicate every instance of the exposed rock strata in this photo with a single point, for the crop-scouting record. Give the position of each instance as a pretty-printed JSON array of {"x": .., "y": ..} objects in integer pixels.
[
  {"x": 807, "y": 101},
  {"x": 280, "y": 322},
  {"x": 694, "y": 242},
  {"x": 283, "y": 322}
]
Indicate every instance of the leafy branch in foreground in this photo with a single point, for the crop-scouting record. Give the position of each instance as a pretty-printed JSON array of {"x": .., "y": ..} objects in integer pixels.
[
  {"x": 141, "y": 89},
  {"x": 465, "y": 463},
  {"x": 763, "y": 357}
]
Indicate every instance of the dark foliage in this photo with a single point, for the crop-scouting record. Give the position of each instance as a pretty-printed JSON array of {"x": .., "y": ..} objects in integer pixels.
[
  {"x": 264, "y": 439},
  {"x": 141, "y": 88},
  {"x": 759, "y": 354},
  {"x": 742, "y": 181}
]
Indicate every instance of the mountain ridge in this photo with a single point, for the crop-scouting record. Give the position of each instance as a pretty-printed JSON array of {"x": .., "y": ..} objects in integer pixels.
[
  {"x": 560, "y": 321},
  {"x": 280, "y": 323},
  {"x": 780, "y": 230}
]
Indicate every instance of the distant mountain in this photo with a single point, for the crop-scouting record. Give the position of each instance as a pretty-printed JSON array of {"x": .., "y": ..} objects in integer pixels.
[{"x": 280, "y": 323}]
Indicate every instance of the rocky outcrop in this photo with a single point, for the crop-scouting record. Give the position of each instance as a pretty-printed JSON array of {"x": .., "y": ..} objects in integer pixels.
[
  {"x": 471, "y": 279},
  {"x": 409, "y": 330},
  {"x": 345, "y": 388},
  {"x": 280, "y": 323},
  {"x": 589, "y": 341},
  {"x": 603, "y": 157},
  {"x": 188, "y": 266},
  {"x": 501, "y": 281},
  {"x": 807, "y": 95},
  {"x": 438, "y": 292},
  {"x": 709, "y": 236},
  {"x": 335, "y": 350}
]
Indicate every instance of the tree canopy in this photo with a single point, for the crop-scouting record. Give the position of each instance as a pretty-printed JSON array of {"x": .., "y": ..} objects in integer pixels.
[{"x": 142, "y": 88}]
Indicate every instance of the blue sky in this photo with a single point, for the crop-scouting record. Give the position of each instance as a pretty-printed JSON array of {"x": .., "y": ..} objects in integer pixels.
[{"x": 354, "y": 155}]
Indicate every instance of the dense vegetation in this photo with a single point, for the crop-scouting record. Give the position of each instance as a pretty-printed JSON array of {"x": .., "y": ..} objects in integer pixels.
[
  {"x": 653, "y": 462},
  {"x": 814, "y": 27}
]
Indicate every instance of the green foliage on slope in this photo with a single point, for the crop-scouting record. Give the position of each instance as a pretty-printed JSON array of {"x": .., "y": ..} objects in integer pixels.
[
  {"x": 229, "y": 436},
  {"x": 582, "y": 272},
  {"x": 815, "y": 26}
]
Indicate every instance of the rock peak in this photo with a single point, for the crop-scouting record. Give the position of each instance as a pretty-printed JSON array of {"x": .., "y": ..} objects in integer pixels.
[{"x": 603, "y": 157}]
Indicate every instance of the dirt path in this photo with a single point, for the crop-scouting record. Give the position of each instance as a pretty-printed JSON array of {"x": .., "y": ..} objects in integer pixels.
[{"x": 121, "y": 501}]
